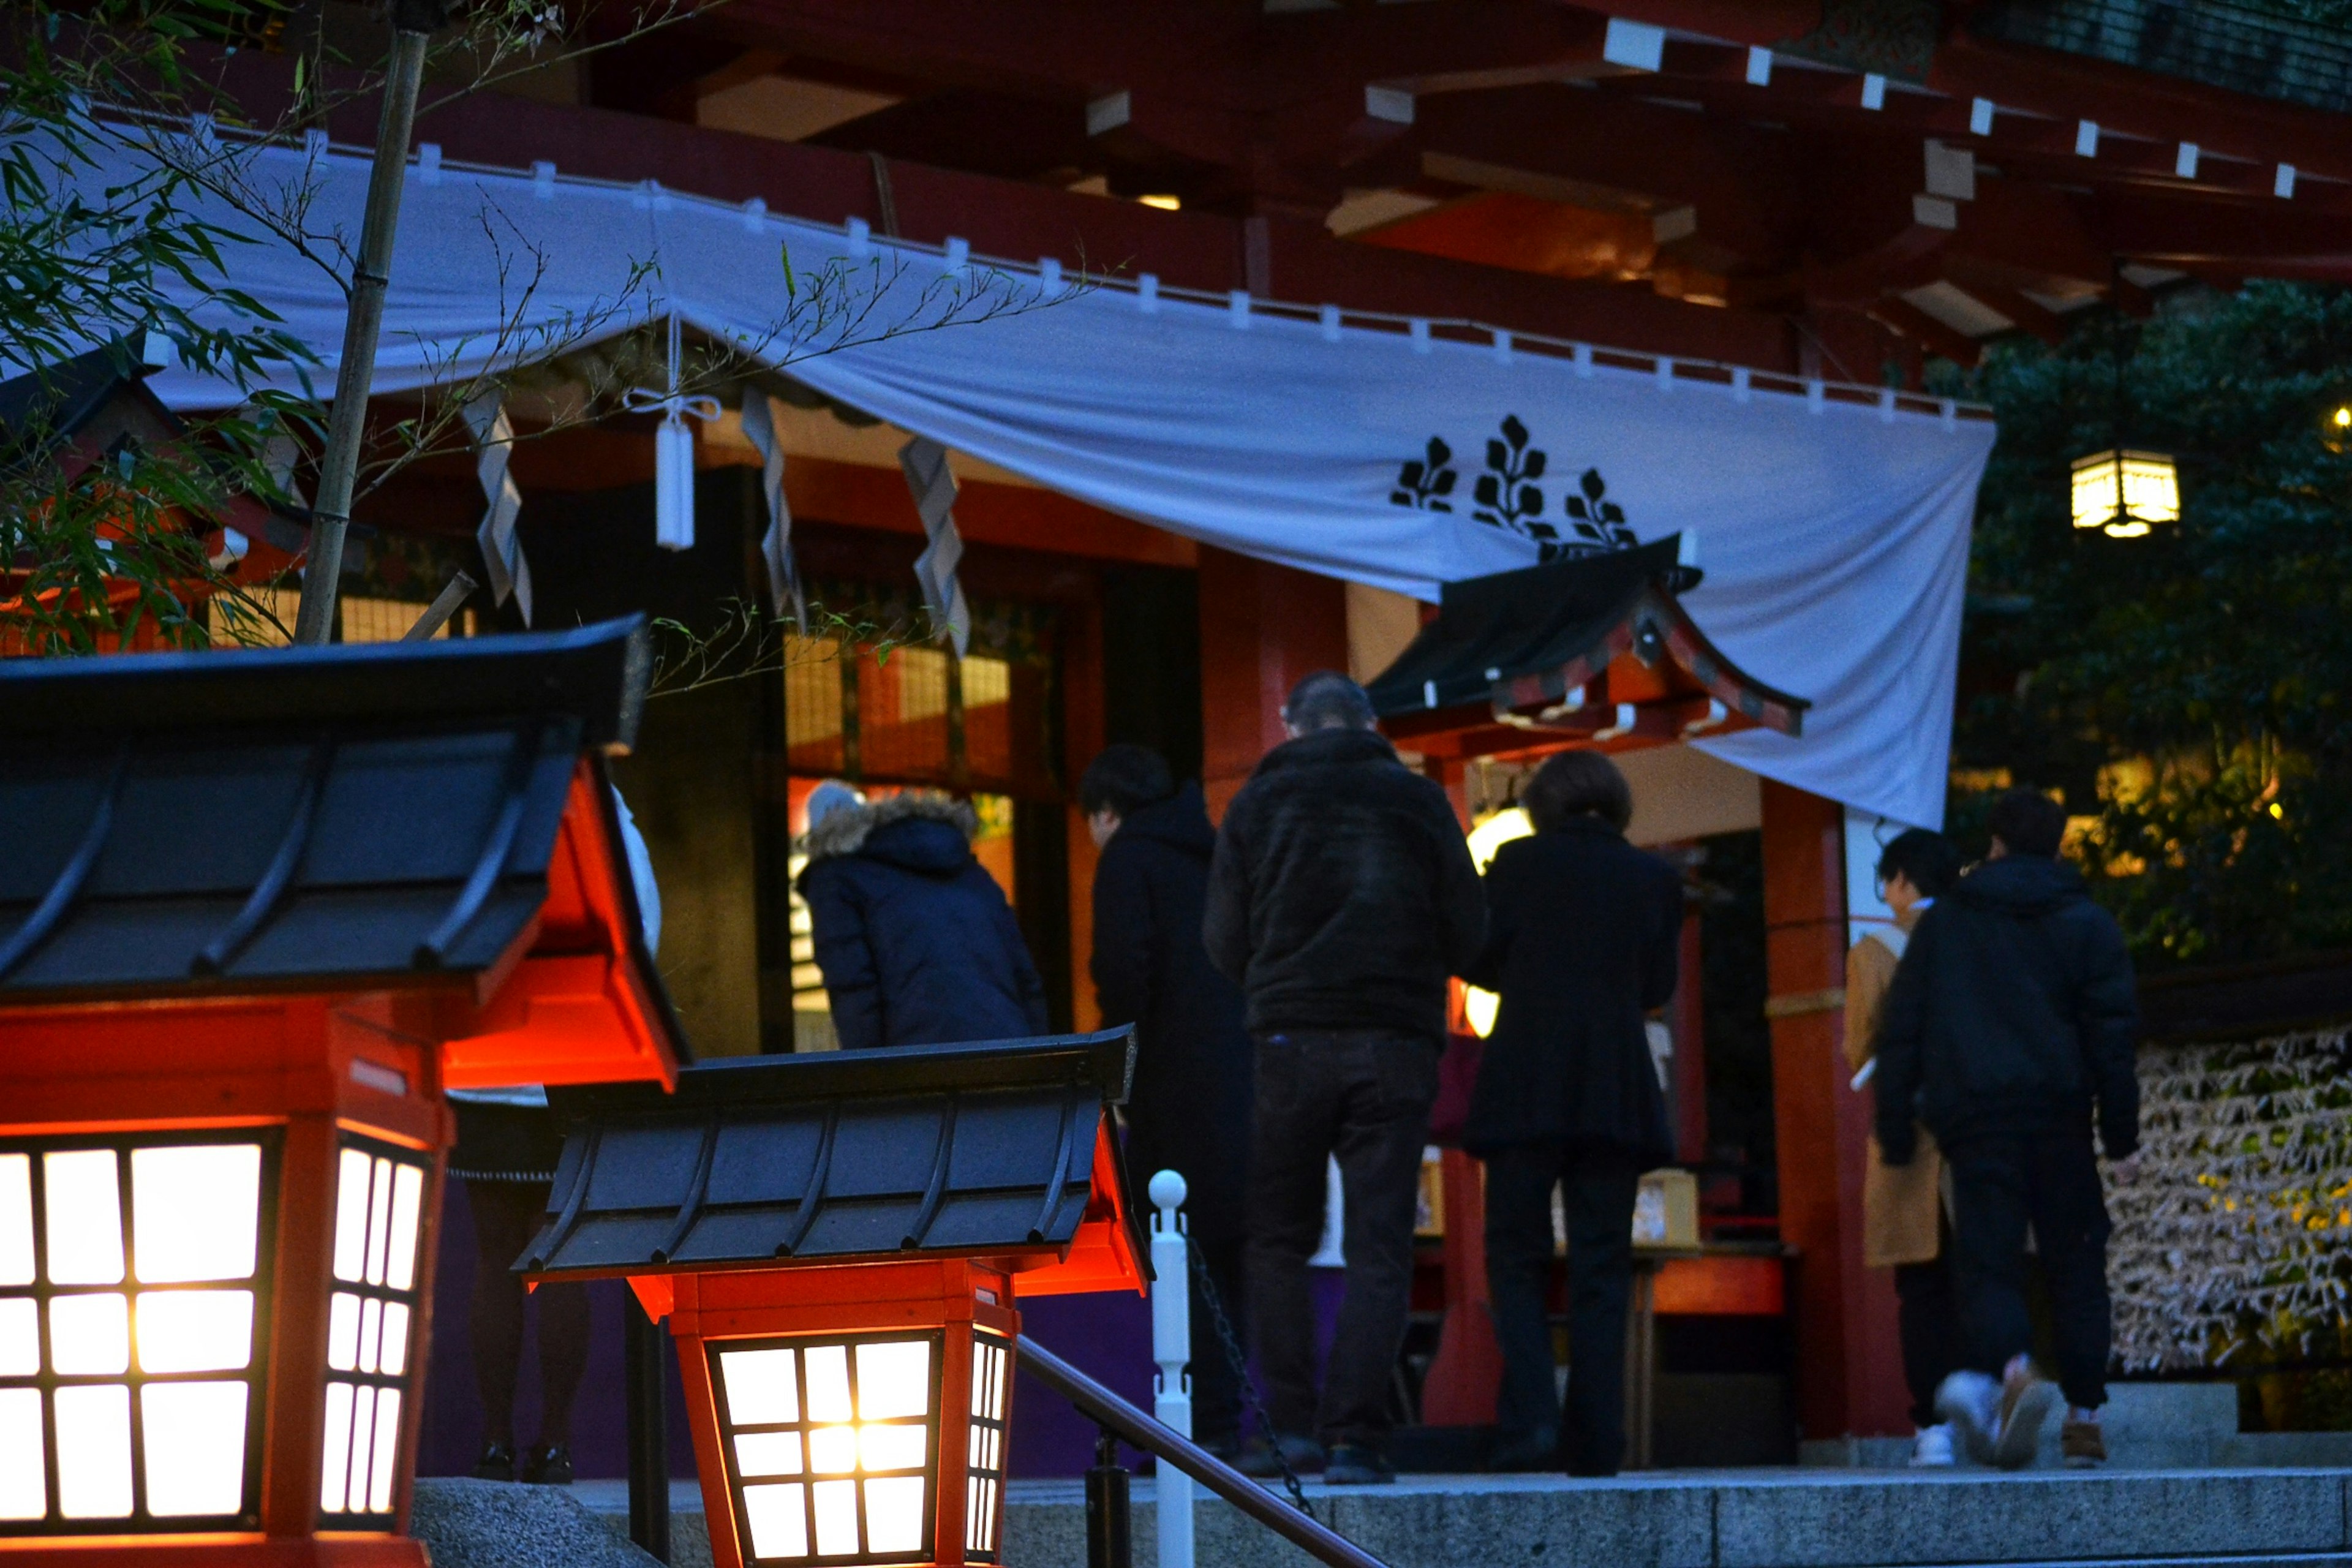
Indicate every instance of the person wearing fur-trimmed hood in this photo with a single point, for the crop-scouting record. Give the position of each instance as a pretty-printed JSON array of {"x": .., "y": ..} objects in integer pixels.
[{"x": 915, "y": 939}]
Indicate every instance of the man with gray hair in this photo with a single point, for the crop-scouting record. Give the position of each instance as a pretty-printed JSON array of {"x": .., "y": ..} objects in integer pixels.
[{"x": 1341, "y": 897}]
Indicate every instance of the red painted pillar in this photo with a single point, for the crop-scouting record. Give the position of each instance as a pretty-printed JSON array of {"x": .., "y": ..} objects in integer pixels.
[
  {"x": 1848, "y": 1362},
  {"x": 1262, "y": 627}
]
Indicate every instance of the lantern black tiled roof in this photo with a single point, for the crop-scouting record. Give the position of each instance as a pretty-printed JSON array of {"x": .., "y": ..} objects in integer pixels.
[
  {"x": 968, "y": 1149},
  {"x": 292, "y": 818},
  {"x": 1565, "y": 619}
]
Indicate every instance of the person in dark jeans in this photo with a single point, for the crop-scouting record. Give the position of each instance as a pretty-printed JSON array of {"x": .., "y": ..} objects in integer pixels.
[
  {"x": 2009, "y": 1033},
  {"x": 1582, "y": 938},
  {"x": 1341, "y": 897},
  {"x": 1188, "y": 1108},
  {"x": 508, "y": 1143},
  {"x": 506, "y": 1155}
]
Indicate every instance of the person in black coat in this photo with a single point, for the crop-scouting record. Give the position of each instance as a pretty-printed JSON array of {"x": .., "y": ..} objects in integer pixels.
[
  {"x": 1341, "y": 898},
  {"x": 2009, "y": 1033},
  {"x": 1188, "y": 1109},
  {"x": 1583, "y": 932},
  {"x": 915, "y": 940}
]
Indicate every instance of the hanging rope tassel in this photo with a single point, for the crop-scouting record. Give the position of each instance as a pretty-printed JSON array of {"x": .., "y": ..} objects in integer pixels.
[
  {"x": 784, "y": 591},
  {"x": 503, "y": 557},
  {"x": 925, "y": 463},
  {"x": 673, "y": 451}
]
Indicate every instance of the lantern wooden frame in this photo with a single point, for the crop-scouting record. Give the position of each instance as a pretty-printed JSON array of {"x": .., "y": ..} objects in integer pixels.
[
  {"x": 961, "y": 1308},
  {"x": 819, "y": 1200},
  {"x": 220, "y": 920}
]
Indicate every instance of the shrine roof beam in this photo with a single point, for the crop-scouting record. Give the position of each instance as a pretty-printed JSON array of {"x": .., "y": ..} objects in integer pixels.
[
  {"x": 2036, "y": 320},
  {"x": 2031, "y": 144},
  {"x": 2070, "y": 88},
  {"x": 2160, "y": 108},
  {"x": 1015, "y": 218},
  {"x": 1601, "y": 150},
  {"x": 1234, "y": 63},
  {"x": 1935, "y": 336}
]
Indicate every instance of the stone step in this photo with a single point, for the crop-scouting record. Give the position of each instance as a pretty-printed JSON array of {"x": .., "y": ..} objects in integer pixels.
[
  {"x": 1733, "y": 1519},
  {"x": 1788, "y": 1519}
]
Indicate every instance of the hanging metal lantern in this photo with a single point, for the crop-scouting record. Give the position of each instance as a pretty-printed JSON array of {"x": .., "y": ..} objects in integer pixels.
[{"x": 2124, "y": 494}]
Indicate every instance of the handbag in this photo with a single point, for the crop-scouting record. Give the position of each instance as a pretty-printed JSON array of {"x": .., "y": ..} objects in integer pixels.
[{"x": 1458, "y": 1080}]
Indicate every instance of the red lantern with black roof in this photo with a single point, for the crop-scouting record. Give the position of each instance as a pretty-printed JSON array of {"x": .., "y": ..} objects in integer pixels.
[
  {"x": 256, "y": 912},
  {"x": 839, "y": 1242}
]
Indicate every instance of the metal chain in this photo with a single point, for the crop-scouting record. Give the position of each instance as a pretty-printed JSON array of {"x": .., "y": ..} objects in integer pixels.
[{"x": 1240, "y": 1363}]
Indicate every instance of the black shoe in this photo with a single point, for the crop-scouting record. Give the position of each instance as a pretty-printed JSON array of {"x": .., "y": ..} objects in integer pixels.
[
  {"x": 497, "y": 1463},
  {"x": 550, "y": 1464},
  {"x": 1354, "y": 1465},
  {"x": 1304, "y": 1454},
  {"x": 1522, "y": 1451}
]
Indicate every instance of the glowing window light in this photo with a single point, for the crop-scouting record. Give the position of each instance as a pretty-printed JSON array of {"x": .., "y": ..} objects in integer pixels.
[
  {"x": 131, "y": 1278},
  {"x": 1480, "y": 1007},
  {"x": 195, "y": 1331},
  {"x": 16, "y": 1219},
  {"x": 196, "y": 1212},
  {"x": 379, "y": 1203},
  {"x": 20, "y": 1337},
  {"x": 90, "y": 1334},
  {"x": 24, "y": 1457},
  {"x": 84, "y": 1218},
  {"x": 193, "y": 1434},
  {"x": 2123, "y": 493},
  {"x": 854, "y": 1424},
  {"x": 93, "y": 1425}
]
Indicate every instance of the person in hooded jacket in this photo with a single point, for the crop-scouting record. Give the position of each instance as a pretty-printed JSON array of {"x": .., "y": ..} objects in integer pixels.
[
  {"x": 1188, "y": 1109},
  {"x": 915, "y": 939},
  {"x": 1583, "y": 935},
  {"x": 2008, "y": 1033}
]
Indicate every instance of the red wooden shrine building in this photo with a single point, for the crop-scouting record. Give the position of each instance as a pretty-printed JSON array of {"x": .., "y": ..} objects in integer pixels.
[{"x": 1823, "y": 188}]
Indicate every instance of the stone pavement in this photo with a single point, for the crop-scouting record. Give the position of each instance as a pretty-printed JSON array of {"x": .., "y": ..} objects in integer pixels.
[{"x": 1729, "y": 1519}]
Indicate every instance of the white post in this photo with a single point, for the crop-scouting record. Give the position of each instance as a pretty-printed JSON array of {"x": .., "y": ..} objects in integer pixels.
[{"x": 1171, "y": 1348}]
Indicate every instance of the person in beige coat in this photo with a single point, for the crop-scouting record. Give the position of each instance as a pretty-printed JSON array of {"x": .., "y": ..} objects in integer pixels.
[{"x": 1902, "y": 1224}]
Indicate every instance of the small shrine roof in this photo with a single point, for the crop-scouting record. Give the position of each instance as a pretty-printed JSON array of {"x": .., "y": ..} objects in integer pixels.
[
  {"x": 1532, "y": 620},
  {"x": 295, "y": 818},
  {"x": 1595, "y": 650},
  {"x": 989, "y": 1149}
]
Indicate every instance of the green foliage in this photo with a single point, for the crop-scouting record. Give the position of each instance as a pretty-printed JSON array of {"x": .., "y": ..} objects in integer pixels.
[
  {"x": 2189, "y": 691},
  {"x": 95, "y": 555}
]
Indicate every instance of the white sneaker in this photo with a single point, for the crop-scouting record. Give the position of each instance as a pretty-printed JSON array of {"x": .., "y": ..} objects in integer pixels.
[
  {"x": 1932, "y": 1448},
  {"x": 1970, "y": 1402}
]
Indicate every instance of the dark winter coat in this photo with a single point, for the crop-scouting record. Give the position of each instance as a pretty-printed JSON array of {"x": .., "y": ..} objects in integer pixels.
[
  {"x": 915, "y": 940},
  {"x": 2013, "y": 1010},
  {"x": 1189, "y": 1109},
  {"x": 1583, "y": 937},
  {"x": 1342, "y": 894}
]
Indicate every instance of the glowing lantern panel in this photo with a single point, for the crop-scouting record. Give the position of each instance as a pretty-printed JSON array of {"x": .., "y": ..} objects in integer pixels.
[
  {"x": 2123, "y": 493},
  {"x": 832, "y": 1446},
  {"x": 130, "y": 1274},
  {"x": 379, "y": 1198}
]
